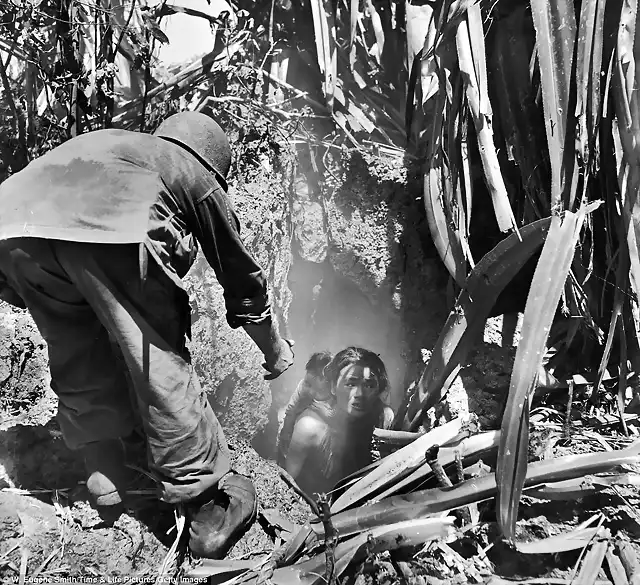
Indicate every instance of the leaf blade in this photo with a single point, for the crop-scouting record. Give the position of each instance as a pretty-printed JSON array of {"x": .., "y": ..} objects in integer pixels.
[
  {"x": 466, "y": 321},
  {"x": 547, "y": 285},
  {"x": 395, "y": 464},
  {"x": 555, "y": 24}
]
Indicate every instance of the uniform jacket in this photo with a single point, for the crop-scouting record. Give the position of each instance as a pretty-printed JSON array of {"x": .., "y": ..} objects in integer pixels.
[{"x": 122, "y": 187}]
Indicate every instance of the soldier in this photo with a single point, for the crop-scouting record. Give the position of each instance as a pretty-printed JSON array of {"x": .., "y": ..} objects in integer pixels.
[{"x": 95, "y": 237}]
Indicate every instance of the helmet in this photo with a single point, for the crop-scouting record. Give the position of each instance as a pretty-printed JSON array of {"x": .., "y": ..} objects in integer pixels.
[{"x": 202, "y": 137}]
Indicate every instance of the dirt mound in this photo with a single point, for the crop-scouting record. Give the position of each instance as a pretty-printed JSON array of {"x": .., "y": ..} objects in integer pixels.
[
  {"x": 46, "y": 522},
  {"x": 24, "y": 375}
]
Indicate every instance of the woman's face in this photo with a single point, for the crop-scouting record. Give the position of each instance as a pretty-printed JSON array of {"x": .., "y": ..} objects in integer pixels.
[{"x": 356, "y": 390}]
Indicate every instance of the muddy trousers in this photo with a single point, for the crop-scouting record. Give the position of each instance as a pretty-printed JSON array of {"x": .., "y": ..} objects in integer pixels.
[{"x": 113, "y": 332}]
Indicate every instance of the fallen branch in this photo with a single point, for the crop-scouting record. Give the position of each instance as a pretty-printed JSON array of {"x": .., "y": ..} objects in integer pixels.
[
  {"x": 422, "y": 503},
  {"x": 468, "y": 448},
  {"x": 296, "y": 488}
]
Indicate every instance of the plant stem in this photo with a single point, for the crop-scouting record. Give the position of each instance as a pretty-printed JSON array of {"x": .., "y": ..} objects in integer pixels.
[
  {"x": 431, "y": 455},
  {"x": 459, "y": 467},
  {"x": 125, "y": 27},
  {"x": 294, "y": 486},
  {"x": 566, "y": 431},
  {"x": 18, "y": 119},
  {"x": 330, "y": 538}
]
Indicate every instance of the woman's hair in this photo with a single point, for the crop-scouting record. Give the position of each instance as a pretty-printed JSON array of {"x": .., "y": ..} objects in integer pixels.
[
  {"x": 318, "y": 361},
  {"x": 362, "y": 357}
]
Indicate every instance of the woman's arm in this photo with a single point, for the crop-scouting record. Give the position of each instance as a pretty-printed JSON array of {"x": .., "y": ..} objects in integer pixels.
[
  {"x": 306, "y": 437},
  {"x": 300, "y": 400}
]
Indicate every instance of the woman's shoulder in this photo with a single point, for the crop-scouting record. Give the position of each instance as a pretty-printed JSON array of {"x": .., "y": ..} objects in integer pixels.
[{"x": 310, "y": 426}]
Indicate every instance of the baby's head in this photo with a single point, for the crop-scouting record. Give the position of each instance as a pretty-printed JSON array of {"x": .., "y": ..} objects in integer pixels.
[{"x": 314, "y": 374}]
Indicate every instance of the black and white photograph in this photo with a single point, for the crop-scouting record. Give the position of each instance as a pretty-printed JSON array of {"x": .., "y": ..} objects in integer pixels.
[{"x": 320, "y": 292}]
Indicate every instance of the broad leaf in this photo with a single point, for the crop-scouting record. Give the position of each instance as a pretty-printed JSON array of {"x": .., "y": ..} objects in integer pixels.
[
  {"x": 592, "y": 562},
  {"x": 582, "y": 487},
  {"x": 521, "y": 119},
  {"x": 555, "y": 24},
  {"x": 468, "y": 317},
  {"x": 394, "y": 536},
  {"x": 542, "y": 302},
  {"x": 627, "y": 146},
  {"x": 588, "y": 68},
  {"x": 574, "y": 540}
]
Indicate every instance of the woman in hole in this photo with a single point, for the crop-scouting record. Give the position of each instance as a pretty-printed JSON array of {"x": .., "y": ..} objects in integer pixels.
[{"x": 332, "y": 439}]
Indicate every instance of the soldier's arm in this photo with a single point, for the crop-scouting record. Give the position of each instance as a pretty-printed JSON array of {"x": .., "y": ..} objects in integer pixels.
[
  {"x": 307, "y": 435},
  {"x": 242, "y": 278}
]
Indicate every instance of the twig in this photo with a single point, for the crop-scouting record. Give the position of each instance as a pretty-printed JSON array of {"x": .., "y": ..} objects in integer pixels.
[
  {"x": 431, "y": 457},
  {"x": 294, "y": 486},
  {"x": 566, "y": 429},
  {"x": 330, "y": 538},
  {"x": 459, "y": 467},
  {"x": 170, "y": 564},
  {"x": 126, "y": 27},
  {"x": 11, "y": 51},
  {"x": 18, "y": 126},
  {"x": 273, "y": 561},
  {"x": 20, "y": 492},
  {"x": 300, "y": 94},
  {"x": 6, "y": 554},
  {"x": 273, "y": 7}
]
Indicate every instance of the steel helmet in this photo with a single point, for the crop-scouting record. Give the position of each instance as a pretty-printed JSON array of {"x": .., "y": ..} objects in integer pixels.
[{"x": 203, "y": 137}]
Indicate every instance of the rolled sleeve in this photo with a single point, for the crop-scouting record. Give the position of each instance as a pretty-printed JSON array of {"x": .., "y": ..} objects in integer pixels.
[{"x": 245, "y": 311}]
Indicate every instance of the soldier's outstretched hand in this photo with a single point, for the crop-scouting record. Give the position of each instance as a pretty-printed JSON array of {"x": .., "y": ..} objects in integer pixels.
[{"x": 282, "y": 360}]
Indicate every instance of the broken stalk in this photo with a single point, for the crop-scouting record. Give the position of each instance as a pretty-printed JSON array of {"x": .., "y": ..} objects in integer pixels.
[{"x": 330, "y": 538}]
